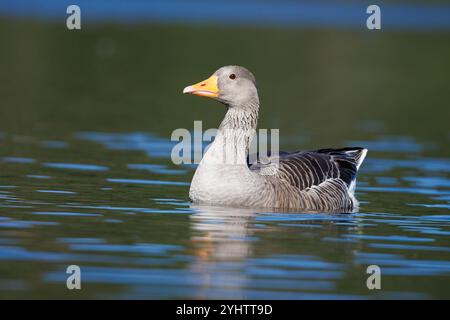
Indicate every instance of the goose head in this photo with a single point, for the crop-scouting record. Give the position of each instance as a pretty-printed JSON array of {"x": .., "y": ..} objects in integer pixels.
[{"x": 233, "y": 86}]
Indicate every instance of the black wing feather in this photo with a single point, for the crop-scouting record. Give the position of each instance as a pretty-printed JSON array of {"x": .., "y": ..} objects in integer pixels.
[{"x": 306, "y": 169}]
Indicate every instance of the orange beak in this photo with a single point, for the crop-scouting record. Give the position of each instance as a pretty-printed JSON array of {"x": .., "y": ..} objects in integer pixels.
[{"x": 206, "y": 88}]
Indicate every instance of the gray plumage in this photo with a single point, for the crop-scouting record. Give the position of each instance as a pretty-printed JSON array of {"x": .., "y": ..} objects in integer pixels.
[{"x": 321, "y": 180}]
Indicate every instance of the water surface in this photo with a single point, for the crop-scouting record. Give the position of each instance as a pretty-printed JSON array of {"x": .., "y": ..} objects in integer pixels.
[{"x": 130, "y": 226}]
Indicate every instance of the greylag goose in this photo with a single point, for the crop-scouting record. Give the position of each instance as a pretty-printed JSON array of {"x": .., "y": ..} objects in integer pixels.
[{"x": 320, "y": 180}]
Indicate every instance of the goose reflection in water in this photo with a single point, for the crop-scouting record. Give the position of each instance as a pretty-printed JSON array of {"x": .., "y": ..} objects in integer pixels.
[
  {"x": 226, "y": 233},
  {"x": 234, "y": 251}
]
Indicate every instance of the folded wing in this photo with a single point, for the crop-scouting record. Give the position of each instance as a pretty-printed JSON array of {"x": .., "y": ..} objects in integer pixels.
[{"x": 307, "y": 169}]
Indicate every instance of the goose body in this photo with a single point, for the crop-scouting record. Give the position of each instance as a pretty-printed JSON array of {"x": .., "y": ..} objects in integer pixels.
[{"x": 322, "y": 180}]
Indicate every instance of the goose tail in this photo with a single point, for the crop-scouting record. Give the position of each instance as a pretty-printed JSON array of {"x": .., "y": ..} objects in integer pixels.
[{"x": 357, "y": 154}]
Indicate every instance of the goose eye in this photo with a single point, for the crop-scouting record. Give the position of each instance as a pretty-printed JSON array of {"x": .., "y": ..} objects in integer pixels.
[{"x": 232, "y": 76}]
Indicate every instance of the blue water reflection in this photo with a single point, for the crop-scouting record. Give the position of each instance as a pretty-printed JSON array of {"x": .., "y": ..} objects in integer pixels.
[{"x": 132, "y": 225}]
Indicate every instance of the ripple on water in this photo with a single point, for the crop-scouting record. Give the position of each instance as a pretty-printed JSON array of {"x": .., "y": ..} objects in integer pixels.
[
  {"x": 227, "y": 286},
  {"x": 131, "y": 209},
  {"x": 396, "y": 264},
  {"x": 405, "y": 190},
  {"x": 37, "y": 176},
  {"x": 22, "y": 224},
  {"x": 149, "y": 182},
  {"x": 15, "y": 253},
  {"x": 142, "y": 248},
  {"x": 292, "y": 274},
  {"x": 113, "y": 221},
  {"x": 422, "y": 229},
  {"x": 391, "y": 144},
  {"x": 429, "y": 182},
  {"x": 157, "y": 168},
  {"x": 54, "y": 144},
  {"x": 389, "y": 238},
  {"x": 377, "y": 165},
  {"x": 66, "y": 214},
  {"x": 296, "y": 261},
  {"x": 384, "y": 181},
  {"x": 18, "y": 160},
  {"x": 408, "y": 247},
  {"x": 153, "y": 146},
  {"x": 442, "y": 198},
  {"x": 56, "y": 191},
  {"x": 436, "y": 217},
  {"x": 75, "y": 166},
  {"x": 438, "y": 206},
  {"x": 15, "y": 206},
  {"x": 81, "y": 240}
]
